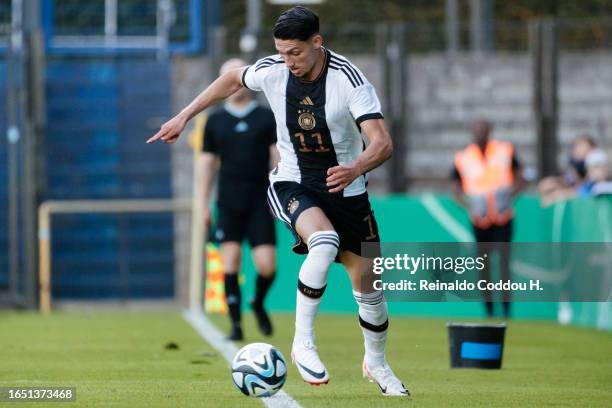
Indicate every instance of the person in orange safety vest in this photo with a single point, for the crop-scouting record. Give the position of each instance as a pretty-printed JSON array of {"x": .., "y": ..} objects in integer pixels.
[{"x": 487, "y": 176}]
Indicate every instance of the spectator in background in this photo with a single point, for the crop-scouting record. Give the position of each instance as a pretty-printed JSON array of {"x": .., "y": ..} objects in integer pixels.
[
  {"x": 487, "y": 176},
  {"x": 565, "y": 187},
  {"x": 597, "y": 173}
]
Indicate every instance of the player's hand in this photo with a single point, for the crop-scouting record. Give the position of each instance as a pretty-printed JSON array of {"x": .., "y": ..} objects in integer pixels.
[
  {"x": 339, "y": 177},
  {"x": 170, "y": 131}
]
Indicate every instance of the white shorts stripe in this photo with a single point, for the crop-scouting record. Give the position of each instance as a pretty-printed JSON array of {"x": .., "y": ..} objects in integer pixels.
[
  {"x": 274, "y": 209},
  {"x": 277, "y": 208}
]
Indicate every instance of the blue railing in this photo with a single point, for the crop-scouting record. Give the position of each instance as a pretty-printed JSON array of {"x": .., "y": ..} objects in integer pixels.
[{"x": 78, "y": 28}]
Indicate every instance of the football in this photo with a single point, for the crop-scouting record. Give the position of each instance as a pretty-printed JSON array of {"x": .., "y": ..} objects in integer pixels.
[{"x": 259, "y": 370}]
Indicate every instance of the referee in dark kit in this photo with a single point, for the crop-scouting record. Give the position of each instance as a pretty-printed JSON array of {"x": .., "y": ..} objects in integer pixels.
[{"x": 242, "y": 136}]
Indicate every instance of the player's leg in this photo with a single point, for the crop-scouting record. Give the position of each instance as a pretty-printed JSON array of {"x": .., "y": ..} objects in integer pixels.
[
  {"x": 374, "y": 322},
  {"x": 262, "y": 238},
  {"x": 322, "y": 240},
  {"x": 483, "y": 244},
  {"x": 264, "y": 258},
  {"x": 357, "y": 225},
  {"x": 300, "y": 210},
  {"x": 231, "y": 257},
  {"x": 504, "y": 237},
  {"x": 373, "y": 316},
  {"x": 230, "y": 231}
]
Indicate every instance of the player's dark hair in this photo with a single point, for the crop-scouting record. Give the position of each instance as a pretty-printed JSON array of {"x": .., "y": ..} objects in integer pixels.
[{"x": 297, "y": 23}]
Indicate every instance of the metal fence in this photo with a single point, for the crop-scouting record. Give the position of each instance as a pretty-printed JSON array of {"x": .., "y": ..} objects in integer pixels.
[
  {"x": 123, "y": 24},
  {"x": 110, "y": 26}
]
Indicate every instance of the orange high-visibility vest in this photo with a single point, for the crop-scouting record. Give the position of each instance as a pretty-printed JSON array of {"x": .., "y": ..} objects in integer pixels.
[{"x": 487, "y": 181}]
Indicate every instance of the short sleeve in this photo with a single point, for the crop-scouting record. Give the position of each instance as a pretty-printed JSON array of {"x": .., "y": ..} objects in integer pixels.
[
  {"x": 209, "y": 145},
  {"x": 254, "y": 75},
  {"x": 364, "y": 103},
  {"x": 250, "y": 78}
]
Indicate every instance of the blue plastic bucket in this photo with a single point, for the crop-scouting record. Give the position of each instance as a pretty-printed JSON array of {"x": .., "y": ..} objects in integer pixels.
[{"x": 475, "y": 345}]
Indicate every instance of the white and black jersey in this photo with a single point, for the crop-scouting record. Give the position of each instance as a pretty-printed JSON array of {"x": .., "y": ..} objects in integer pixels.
[{"x": 317, "y": 122}]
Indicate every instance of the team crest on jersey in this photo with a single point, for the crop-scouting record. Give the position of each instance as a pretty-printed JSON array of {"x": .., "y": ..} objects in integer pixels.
[
  {"x": 241, "y": 127},
  {"x": 306, "y": 120},
  {"x": 293, "y": 205}
]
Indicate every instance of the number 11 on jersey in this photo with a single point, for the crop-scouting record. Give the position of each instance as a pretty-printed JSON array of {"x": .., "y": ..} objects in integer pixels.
[{"x": 317, "y": 136}]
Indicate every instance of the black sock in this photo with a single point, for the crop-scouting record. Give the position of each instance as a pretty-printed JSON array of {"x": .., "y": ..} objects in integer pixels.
[
  {"x": 232, "y": 296},
  {"x": 262, "y": 287}
]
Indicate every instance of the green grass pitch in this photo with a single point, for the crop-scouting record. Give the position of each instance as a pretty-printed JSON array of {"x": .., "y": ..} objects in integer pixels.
[{"x": 119, "y": 359}]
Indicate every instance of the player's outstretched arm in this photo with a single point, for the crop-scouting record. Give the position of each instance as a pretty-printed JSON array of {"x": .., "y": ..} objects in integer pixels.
[
  {"x": 378, "y": 151},
  {"x": 220, "y": 89}
]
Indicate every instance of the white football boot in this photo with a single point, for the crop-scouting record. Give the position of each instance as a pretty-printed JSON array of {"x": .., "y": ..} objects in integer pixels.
[
  {"x": 388, "y": 383},
  {"x": 306, "y": 359}
]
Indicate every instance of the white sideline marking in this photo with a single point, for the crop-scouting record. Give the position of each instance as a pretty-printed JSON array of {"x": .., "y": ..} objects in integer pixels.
[
  {"x": 447, "y": 221},
  {"x": 228, "y": 350}
]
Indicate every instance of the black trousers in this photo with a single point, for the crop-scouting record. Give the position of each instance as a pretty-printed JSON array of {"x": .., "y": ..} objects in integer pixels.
[{"x": 485, "y": 237}]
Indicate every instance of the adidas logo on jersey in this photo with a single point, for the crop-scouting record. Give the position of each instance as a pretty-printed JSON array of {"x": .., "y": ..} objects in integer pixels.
[{"x": 307, "y": 101}]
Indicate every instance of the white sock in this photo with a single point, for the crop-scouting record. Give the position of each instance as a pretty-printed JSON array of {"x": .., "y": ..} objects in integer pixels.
[
  {"x": 322, "y": 250},
  {"x": 374, "y": 320}
]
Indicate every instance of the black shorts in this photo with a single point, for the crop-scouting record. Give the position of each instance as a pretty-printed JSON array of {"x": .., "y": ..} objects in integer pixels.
[
  {"x": 352, "y": 217},
  {"x": 253, "y": 222}
]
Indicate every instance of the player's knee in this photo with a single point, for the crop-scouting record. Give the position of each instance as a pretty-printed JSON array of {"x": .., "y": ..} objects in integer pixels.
[
  {"x": 265, "y": 267},
  {"x": 267, "y": 271},
  {"x": 322, "y": 250},
  {"x": 231, "y": 263},
  {"x": 324, "y": 244},
  {"x": 265, "y": 260}
]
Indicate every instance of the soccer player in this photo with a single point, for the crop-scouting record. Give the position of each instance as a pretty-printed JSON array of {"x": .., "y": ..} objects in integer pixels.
[
  {"x": 242, "y": 135},
  {"x": 322, "y": 105}
]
